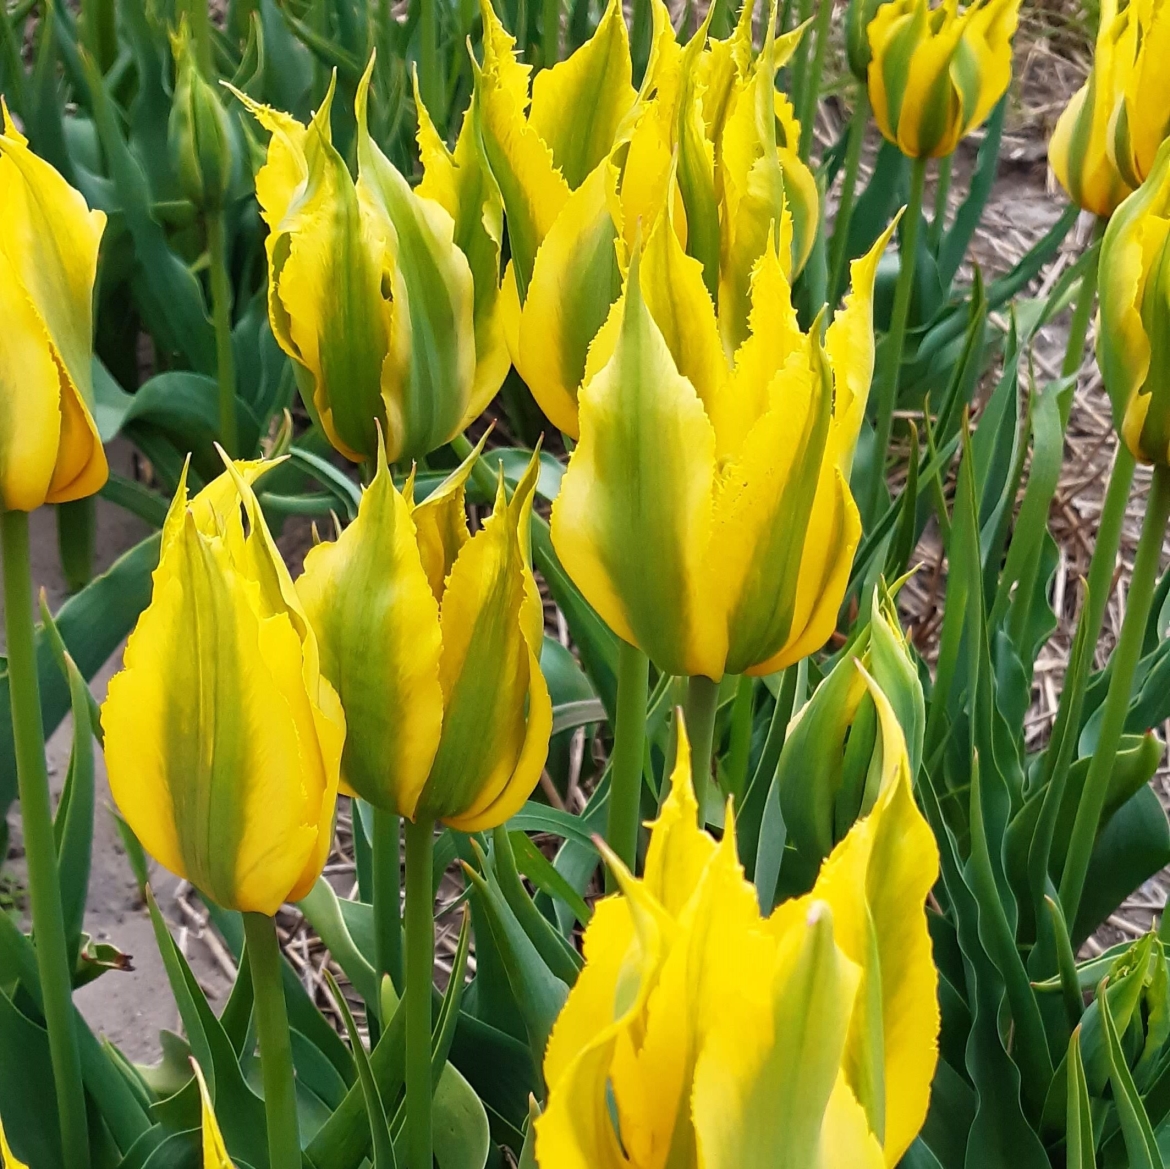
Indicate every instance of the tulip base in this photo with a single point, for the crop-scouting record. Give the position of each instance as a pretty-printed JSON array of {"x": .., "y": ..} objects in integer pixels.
[
  {"x": 420, "y": 966},
  {"x": 40, "y": 850},
  {"x": 1124, "y": 664},
  {"x": 276, "y": 1062},
  {"x": 702, "y": 703}
]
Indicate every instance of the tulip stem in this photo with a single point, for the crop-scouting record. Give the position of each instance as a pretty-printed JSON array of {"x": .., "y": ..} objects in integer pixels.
[
  {"x": 276, "y": 1061},
  {"x": 430, "y": 77},
  {"x": 942, "y": 192},
  {"x": 891, "y": 352},
  {"x": 420, "y": 967},
  {"x": 1124, "y": 663},
  {"x": 629, "y": 744},
  {"x": 387, "y": 893},
  {"x": 840, "y": 243},
  {"x": 221, "y": 312},
  {"x": 40, "y": 850},
  {"x": 702, "y": 702},
  {"x": 1078, "y": 330},
  {"x": 812, "y": 83}
]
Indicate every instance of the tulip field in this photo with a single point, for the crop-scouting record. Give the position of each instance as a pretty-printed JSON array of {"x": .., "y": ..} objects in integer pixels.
[{"x": 606, "y": 673}]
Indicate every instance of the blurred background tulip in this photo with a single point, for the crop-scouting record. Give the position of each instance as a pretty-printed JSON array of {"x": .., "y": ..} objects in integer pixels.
[
  {"x": 432, "y": 638},
  {"x": 1141, "y": 119},
  {"x": 223, "y": 739},
  {"x": 936, "y": 73},
  {"x": 50, "y": 451}
]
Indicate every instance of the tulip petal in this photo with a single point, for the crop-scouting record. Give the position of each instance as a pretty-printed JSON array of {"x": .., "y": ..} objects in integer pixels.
[
  {"x": 215, "y": 1154},
  {"x": 633, "y": 518},
  {"x": 489, "y": 670},
  {"x": 532, "y": 188},
  {"x": 437, "y": 295},
  {"x": 377, "y": 624},
  {"x": 574, "y": 282},
  {"x": 578, "y": 104},
  {"x": 765, "y": 1078}
]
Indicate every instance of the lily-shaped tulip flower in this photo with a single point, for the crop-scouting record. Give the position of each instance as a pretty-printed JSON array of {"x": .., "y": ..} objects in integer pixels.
[
  {"x": 1141, "y": 119},
  {"x": 370, "y": 293},
  {"x": 432, "y": 638},
  {"x": 936, "y": 73},
  {"x": 700, "y": 1033},
  {"x": 1133, "y": 340},
  {"x": 222, "y": 737},
  {"x": 1079, "y": 150},
  {"x": 50, "y": 451},
  {"x": 706, "y": 512}
]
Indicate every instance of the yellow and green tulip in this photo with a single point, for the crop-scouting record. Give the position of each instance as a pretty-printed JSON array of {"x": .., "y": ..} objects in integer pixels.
[
  {"x": 223, "y": 739},
  {"x": 432, "y": 638},
  {"x": 389, "y": 322},
  {"x": 1133, "y": 340},
  {"x": 700, "y": 1033},
  {"x": 936, "y": 73},
  {"x": 706, "y": 511},
  {"x": 50, "y": 451},
  {"x": 1141, "y": 119}
]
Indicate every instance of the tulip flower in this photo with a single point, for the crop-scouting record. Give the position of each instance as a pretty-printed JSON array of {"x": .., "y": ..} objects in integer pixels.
[
  {"x": 936, "y": 74},
  {"x": 432, "y": 638},
  {"x": 370, "y": 292},
  {"x": 1141, "y": 119},
  {"x": 223, "y": 739},
  {"x": 1133, "y": 341},
  {"x": 50, "y": 451},
  {"x": 706, "y": 511},
  {"x": 702, "y": 1034},
  {"x": 1080, "y": 148}
]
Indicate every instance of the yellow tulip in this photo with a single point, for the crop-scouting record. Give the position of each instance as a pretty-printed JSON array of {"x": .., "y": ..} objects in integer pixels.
[
  {"x": 1080, "y": 148},
  {"x": 7, "y": 1157},
  {"x": 1133, "y": 340},
  {"x": 701, "y": 1034},
  {"x": 223, "y": 740},
  {"x": 706, "y": 512},
  {"x": 370, "y": 291},
  {"x": 432, "y": 638},
  {"x": 50, "y": 451},
  {"x": 936, "y": 73},
  {"x": 1141, "y": 119},
  {"x": 215, "y": 1154}
]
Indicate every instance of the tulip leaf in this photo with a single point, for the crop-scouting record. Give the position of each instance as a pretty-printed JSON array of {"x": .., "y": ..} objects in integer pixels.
[
  {"x": 534, "y": 817},
  {"x": 1079, "y": 1139},
  {"x": 461, "y": 1135},
  {"x": 541, "y": 872},
  {"x": 323, "y": 910},
  {"x": 73, "y": 825},
  {"x": 239, "y": 1110},
  {"x": 383, "y": 1146},
  {"x": 27, "y": 1091},
  {"x": 92, "y": 624},
  {"x": 348, "y": 493},
  {"x": 1140, "y": 1142},
  {"x": 528, "y": 1152}
]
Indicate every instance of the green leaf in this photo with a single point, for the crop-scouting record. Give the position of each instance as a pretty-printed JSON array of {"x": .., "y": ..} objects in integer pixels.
[
  {"x": 535, "y": 817},
  {"x": 1140, "y": 1143},
  {"x": 462, "y": 1138},
  {"x": 92, "y": 624},
  {"x": 323, "y": 911},
  {"x": 1079, "y": 1140},
  {"x": 27, "y": 1093},
  {"x": 538, "y": 869}
]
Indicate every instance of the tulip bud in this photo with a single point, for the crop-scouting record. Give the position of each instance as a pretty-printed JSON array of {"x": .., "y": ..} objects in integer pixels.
[
  {"x": 432, "y": 638},
  {"x": 936, "y": 73},
  {"x": 50, "y": 450},
  {"x": 370, "y": 292},
  {"x": 223, "y": 739},
  {"x": 199, "y": 133},
  {"x": 1080, "y": 152},
  {"x": 1133, "y": 341}
]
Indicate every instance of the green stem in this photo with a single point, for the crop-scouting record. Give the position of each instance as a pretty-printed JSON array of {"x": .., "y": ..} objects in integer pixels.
[
  {"x": 800, "y": 57},
  {"x": 839, "y": 247},
  {"x": 942, "y": 193},
  {"x": 1125, "y": 660},
  {"x": 40, "y": 850},
  {"x": 702, "y": 701},
  {"x": 430, "y": 76},
  {"x": 629, "y": 739},
  {"x": 1074, "y": 353},
  {"x": 276, "y": 1061},
  {"x": 221, "y": 313},
  {"x": 887, "y": 379},
  {"x": 1104, "y": 561},
  {"x": 550, "y": 33},
  {"x": 420, "y": 964},
  {"x": 387, "y": 893},
  {"x": 812, "y": 83}
]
